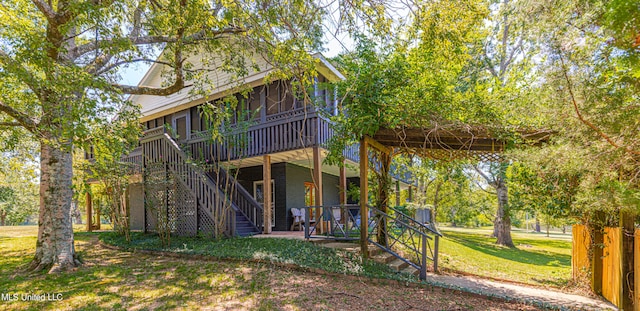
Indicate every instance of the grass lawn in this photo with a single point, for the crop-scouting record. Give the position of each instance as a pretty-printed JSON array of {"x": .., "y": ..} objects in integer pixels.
[
  {"x": 115, "y": 280},
  {"x": 537, "y": 259},
  {"x": 288, "y": 251}
]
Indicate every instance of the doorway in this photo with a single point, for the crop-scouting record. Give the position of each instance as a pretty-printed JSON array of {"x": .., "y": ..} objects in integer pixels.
[
  {"x": 258, "y": 194},
  {"x": 181, "y": 124}
]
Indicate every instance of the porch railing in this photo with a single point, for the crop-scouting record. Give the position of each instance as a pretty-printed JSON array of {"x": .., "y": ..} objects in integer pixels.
[
  {"x": 289, "y": 131},
  {"x": 397, "y": 234},
  {"x": 134, "y": 161}
]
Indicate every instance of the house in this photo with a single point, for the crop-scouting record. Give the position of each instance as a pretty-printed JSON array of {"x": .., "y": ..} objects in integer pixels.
[{"x": 274, "y": 146}]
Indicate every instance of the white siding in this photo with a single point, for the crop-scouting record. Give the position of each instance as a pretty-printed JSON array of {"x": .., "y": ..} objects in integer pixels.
[{"x": 221, "y": 81}]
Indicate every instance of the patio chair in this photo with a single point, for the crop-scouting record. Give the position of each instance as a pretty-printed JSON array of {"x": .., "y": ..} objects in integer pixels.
[
  {"x": 298, "y": 218},
  {"x": 312, "y": 217},
  {"x": 337, "y": 216}
]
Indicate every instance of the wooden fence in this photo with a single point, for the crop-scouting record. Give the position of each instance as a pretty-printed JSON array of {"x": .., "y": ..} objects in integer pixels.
[
  {"x": 612, "y": 279},
  {"x": 580, "y": 253},
  {"x": 611, "y": 286}
]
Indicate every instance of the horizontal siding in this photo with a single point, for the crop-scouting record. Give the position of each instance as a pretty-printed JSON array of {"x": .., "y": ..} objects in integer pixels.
[{"x": 221, "y": 81}]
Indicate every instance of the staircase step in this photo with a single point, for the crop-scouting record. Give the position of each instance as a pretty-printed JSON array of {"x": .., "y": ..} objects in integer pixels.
[
  {"x": 411, "y": 270},
  {"x": 374, "y": 250},
  {"x": 398, "y": 264},
  {"x": 384, "y": 258}
]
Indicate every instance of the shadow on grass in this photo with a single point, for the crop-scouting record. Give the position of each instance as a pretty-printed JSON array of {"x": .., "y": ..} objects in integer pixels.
[{"x": 487, "y": 246}]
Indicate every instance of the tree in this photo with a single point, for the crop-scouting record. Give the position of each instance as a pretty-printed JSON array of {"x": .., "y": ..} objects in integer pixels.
[
  {"x": 497, "y": 179},
  {"x": 589, "y": 85},
  {"x": 6, "y": 196},
  {"x": 503, "y": 62},
  {"x": 18, "y": 188},
  {"x": 546, "y": 189},
  {"x": 60, "y": 65}
]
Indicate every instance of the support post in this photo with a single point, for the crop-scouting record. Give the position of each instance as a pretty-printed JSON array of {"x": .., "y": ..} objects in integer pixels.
[
  {"x": 317, "y": 178},
  {"x": 423, "y": 266},
  {"x": 436, "y": 246},
  {"x": 364, "y": 192},
  {"x": 627, "y": 219},
  {"x": 266, "y": 206},
  {"x": 97, "y": 226},
  {"x": 597, "y": 244},
  {"x": 397, "y": 193},
  {"x": 343, "y": 184},
  {"x": 410, "y": 194},
  {"x": 383, "y": 197},
  {"x": 89, "y": 211},
  {"x": 344, "y": 211}
]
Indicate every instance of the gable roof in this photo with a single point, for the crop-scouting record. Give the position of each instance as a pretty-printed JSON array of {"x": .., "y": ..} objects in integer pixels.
[{"x": 221, "y": 82}]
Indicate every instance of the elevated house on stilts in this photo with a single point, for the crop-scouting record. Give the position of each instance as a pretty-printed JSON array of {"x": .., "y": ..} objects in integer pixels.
[{"x": 266, "y": 170}]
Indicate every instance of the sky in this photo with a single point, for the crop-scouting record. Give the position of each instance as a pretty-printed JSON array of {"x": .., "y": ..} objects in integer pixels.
[{"x": 333, "y": 46}]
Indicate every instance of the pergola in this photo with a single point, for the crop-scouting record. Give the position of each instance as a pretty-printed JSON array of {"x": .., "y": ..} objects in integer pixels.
[{"x": 440, "y": 143}]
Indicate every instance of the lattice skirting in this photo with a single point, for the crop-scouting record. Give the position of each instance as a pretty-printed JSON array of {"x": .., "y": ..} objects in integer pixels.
[{"x": 169, "y": 202}]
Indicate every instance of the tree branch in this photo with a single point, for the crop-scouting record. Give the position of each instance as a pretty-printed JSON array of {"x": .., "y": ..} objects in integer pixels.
[
  {"x": 489, "y": 64},
  {"x": 482, "y": 188},
  {"x": 21, "y": 118},
  {"x": 490, "y": 181},
  {"x": 46, "y": 9},
  {"x": 5, "y": 124},
  {"x": 177, "y": 70},
  {"x": 142, "y": 40},
  {"x": 11, "y": 63},
  {"x": 505, "y": 36},
  {"x": 147, "y": 60},
  {"x": 513, "y": 52},
  {"x": 585, "y": 121}
]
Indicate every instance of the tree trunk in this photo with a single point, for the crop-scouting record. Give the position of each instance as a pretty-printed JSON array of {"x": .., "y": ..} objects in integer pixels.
[
  {"x": 548, "y": 229},
  {"x": 503, "y": 219},
  {"x": 3, "y": 216},
  {"x": 537, "y": 224},
  {"x": 76, "y": 212},
  {"x": 453, "y": 218},
  {"x": 54, "y": 248},
  {"x": 495, "y": 226}
]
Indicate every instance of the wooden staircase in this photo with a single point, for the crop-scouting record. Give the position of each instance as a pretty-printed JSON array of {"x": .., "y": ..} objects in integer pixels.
[
  {"x": 375, "y": 253},
  {"x": 196, "y": 196},
  {"x": 244, "y": 227},
  {"x": 393, "y": 262}
]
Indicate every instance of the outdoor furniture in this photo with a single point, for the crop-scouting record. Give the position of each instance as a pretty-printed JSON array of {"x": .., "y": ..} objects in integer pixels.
[
  {"x": 337, "y": 216},
  {"x": 298, "y": 218}
]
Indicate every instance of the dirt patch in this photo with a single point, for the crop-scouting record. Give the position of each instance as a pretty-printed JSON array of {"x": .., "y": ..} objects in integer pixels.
[{"x": 112, "y": 279}]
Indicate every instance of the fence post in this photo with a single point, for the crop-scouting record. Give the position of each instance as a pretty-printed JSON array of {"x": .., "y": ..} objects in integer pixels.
[
  {"x": 597, "y": 227},
  {"x": 627, "y": 219},
  {"x": 306, "y": 222},
  {"x": 423, "y": 267},
  {"x": 435, "y": 253}
]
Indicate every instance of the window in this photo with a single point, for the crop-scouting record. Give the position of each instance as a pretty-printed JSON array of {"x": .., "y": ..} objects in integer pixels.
[
  {"x": 181, "y": 125},
  {"x": 279, "y": 97},
  {"x": 254, "y": 101}
]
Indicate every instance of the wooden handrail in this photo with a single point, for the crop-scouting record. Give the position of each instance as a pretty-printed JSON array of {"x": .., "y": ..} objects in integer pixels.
[
  {"x": 161, "y": 148},
  {"x": 242, "y": 200}
]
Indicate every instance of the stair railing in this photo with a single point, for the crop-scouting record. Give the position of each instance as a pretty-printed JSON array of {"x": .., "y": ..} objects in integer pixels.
[
  {"x": 427, "y": 228},
  {"x": 405, "y": 238},
  {"x": 241, "y": 198},
  {"x": 409, "y": 243},
  {"x": 159, "y": 146}
]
